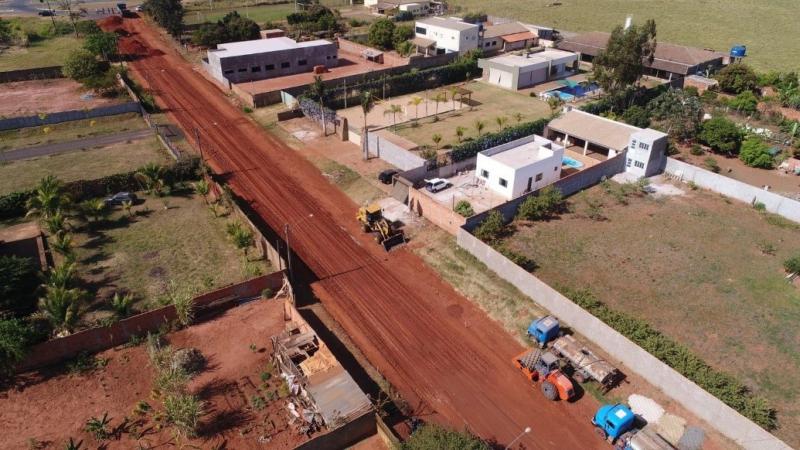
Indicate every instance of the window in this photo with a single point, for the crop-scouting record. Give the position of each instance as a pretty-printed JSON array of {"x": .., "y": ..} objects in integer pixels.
[
  {"x": 644, "y": 146},
  {"x": 555, "y": 169},
  {"x": 302, "y": 62},
  {"x": 639, "y": 164},
  {"x": 228, "y": 72},
  {"x": 285, "y": 65},
  {"x": 243, "y": 69},
  {"x": 269, "y": 67},
  {"x": 485, "y": 174},
  {"x": 420, "y": 30},
  {"x": 503, "y": 182},
  {"x": 255, "y": 69},
  {"x": 628, "y": 164},
  {"x": 633, "y": 143},
  {"x": 539, "y": 176}
]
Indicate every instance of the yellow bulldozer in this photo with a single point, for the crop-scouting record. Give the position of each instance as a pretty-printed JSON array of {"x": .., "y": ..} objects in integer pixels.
[{"x": 372, "y": 220}]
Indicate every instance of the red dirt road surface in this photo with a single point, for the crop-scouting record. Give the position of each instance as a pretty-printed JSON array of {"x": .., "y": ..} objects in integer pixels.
[{"x": 455, "y": 368}]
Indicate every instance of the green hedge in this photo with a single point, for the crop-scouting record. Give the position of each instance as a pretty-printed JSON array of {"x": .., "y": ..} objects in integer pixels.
[
  {"x": 471, "y": 148},
  {"x": 721, "y": 385},
  {"x": 13, "y": 205}
]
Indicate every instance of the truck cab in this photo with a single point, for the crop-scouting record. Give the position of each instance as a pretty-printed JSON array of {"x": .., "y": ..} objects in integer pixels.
[
  {"x": 612, "y": 421},
  {"x": 544, "y": 329}
]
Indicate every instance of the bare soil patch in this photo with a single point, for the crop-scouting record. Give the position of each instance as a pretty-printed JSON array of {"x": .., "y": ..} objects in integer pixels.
[{"x": 27, "y": 98}]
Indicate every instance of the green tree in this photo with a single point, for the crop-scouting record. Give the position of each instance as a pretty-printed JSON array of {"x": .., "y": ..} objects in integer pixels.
[
  {"x": 15, "y": 338},
  {"x": 736, "y": 78},
  {"x": 102, "y": 44},
  {"x": 242, "y": 237},
  {"x": 48, "y": 198},
  {"x": 317, "y": 91},
  {"x": 151, "y": 175},
  {"x": 401, "y": 34},
  {"x": 393, "y": 110},
  {"x": 491, "y": 228},
  {"x": 61, "y": 307},
  {"x": 87, "y": 27},
  {"x": 479, "y": 126},
  {"x": 792, "y": 265},
  {"x": 231, "y": 28},
  {"x": 555, "y": 103},
  {"x": 6, "y": 33},
  {"x": 677, "y": 113},
  {"x": 381, "y": 34},
  {"x": 81, "y": 65},
  {"x": 745, "y": 102},
  {"x": 545, "y": 204},
  {"x": 436, "y": 138},
  {"x": 434, "y": 437},
  {"x": 122, "y": 304},
  {"x": 722, "y": 135},
  {"x": 501, "y": 122},
  {"x": 202, "y": 187},
  {"x": 367, "y": 103},
  {"x": 62, "y": 244},
  {"x": 464, "y": 208},
  {"x": 167, "y": 13},
  {"x": 62, "y": 276},
  {"x": 18, "y": 282},
  {"x": 755, "y": 153},
  {"x": 622, "y": 62},
  {"x": 94, "y": 210},
  {"x": 636, "y": 116},
  {"x": 460, "y": 133},
  {"x": 415, "y": 102},
  {"x": 405, "y": 48}
]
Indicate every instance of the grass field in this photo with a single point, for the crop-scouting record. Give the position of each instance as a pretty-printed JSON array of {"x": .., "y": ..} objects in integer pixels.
[
  {"x": 260, "y": 14},
  {"x": 705, "y": 270},
  {"x": 184, "y": 245},
  {"x": 492, "y": 101},
  {"x": 42, "y": 49},
  {"x": 69, "y": 131},
  {"x": 714, "y": 24},
  {"x": 88, "y": 163}
]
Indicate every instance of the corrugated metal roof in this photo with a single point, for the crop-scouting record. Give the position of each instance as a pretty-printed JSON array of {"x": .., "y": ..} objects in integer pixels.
[
  {"x": 595, "y": 129},
  {"x": 516, "y": 37},
  {"x": 337, "y": 396},
  {"x": 503, "y": 29}
]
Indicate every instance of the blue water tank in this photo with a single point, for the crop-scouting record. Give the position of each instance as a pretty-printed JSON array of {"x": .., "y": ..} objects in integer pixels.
[{"x": 738, "y": 51}]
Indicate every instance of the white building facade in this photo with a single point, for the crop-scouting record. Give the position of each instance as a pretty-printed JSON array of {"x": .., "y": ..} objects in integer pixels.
[
  {"x": 521, "y": 71},
  {"x": 520, "y": 166},
  {"x": 450, "y": 35}
]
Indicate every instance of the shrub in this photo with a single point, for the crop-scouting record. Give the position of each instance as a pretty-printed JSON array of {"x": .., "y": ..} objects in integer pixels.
[
  {"x": 755, "y": 153},
  {"x": 183, "y": 411},
  {"x": 517, "y": 258},
  {"x": 745, "y": 102},
  {"x": 431, "y": 436},
  {"x": 81, "y": 64},
  {"x": 792, "y": 265},
  {"x": 464, "y": 208},
  {"x": 15, "y": 338},
  {"x": 636, "y": 116},
  {"x": 469, "y": 149},
  {"x": 87, "y": 27},
  {"x": 709, "y": 96},
  {"x": 381, "y": 33},
  {"x": 722, "y": 135},
  {"x": 541, "y": 206},
  {"x": 491, "y": 228},
  {"x": 696, "y": 150},
  {"x": 18, "y": 282},
  {"x": 736, "y": 78},
  {"x": 711, "y": 164},
  {"x": 722, "y": 385}
]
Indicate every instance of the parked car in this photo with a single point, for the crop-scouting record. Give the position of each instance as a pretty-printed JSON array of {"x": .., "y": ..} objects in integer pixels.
[
  {"x": 138, "y": 8},
  {"x": 436, "y": 184},
  {"x": 387, "y": 176},
  {"x": 46, "y": 13},
  {"x": 119, "y": 198}
]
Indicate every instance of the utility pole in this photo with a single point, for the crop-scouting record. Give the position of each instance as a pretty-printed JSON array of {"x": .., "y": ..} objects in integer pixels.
[
  {"x": 288, "y": 252},
  {"x": 199, "y": 146}
]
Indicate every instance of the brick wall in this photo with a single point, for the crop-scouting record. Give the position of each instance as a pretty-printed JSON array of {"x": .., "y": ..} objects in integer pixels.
[
  {"x": 38, "y": 73},
  {"x": 441, "y": 215}
]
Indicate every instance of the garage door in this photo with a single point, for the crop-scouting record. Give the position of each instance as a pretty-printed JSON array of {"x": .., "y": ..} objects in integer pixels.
[
  {"x": 531, "y": 78},
  {"x": 500, "y": 78}
]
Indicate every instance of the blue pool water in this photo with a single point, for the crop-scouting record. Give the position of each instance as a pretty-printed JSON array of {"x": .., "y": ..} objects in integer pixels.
[
  {"x": 570, "y": 162},
  {"x": 562, "y": 95},
  {"x": 579, "y": 90}
]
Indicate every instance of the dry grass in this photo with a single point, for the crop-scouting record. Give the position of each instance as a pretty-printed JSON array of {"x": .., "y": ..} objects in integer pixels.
[
  {"x": 717, "y": 24},
  {"x": 49, "y": 52},
  {"x": 493, "y": 102},
  {"x": 69, "y": 131},
  {"x": 705, "y": 270},
  {"x": 83, "y": 164}
]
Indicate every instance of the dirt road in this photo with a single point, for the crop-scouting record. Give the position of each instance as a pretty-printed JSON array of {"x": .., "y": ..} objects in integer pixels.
[{"x": 443, "y": 354}]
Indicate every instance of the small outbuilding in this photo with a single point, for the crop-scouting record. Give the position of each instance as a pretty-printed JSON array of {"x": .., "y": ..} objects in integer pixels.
[
  {"x": 520, "y": 166},
  {"x": 511, "y": 71}
]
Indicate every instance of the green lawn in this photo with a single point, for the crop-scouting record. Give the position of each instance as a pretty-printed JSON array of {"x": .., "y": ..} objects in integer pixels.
[
  {"x": 492, "y": 102},
  {"x": 260, "y": 14},
  {"x": 83, "y": 164},
  {"x": 50, "y": 52},
  {"x": 702, "y": 269},
  {"x": 769, "y": 28},
  {"x": 69, "y": 131}
]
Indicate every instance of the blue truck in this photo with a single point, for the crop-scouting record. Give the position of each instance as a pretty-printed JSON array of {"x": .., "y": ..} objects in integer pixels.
[
  {"x": 544, "y": 330},
  {"x": 617, "y": 424}
]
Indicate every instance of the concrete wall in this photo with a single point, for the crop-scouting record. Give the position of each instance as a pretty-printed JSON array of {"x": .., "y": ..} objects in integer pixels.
[
  {"x": 729, "y": 187},
  {"x": 38, "y": 73},
  {"x": 67, "y": 116},
  {"x": 417, "y": 176},
  {"x": 717, "y": 414},
  {"x": 441, "y": 215},
  {"x": 239, "y": 69},
  {"x": 387, "y": 151},
  {"x": 389, "y": 58},
  {"x": 345, "y": 436},
  {"x": 102, "y": 338}
]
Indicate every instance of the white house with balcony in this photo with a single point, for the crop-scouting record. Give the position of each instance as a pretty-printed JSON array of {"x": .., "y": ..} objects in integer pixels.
[
  {"x": 520, "y": 166},
  {"x": 445, "y": 35}
]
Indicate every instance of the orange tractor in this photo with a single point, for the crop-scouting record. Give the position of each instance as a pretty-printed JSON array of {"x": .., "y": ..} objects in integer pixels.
[{"x": 539, "y": 365}]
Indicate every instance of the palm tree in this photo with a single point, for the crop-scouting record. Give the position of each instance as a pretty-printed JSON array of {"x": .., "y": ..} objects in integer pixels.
[
  {"x": 62, "y": 276},
  {"x": 416, "y": 101},
  {"x": 242, "y": 238},
  {"x": 122, "y": 304},
  {"x": 436, "y": 138},
  {"x": 555, "y": 103},
  {"x": 440, "y": 97},
  {"x": 203, "y": 189},
  {"x": 367, "y": 103},
  {"x": 61, "y": 306},
  {"x": 48, "y": 198},
  {"x": 518, "y": 117},
  {"x": 318, "y": 92},
  {"x": 56, "y": 223},
  {"x": 127, "y": 205},
  {"x": 95, "y": 209},
  {"x": 479, "y": 126},
  {"x": 62, "y": 244},
  {"x": 151, "y": 175},
  {"x": 460, "y": 132},
  {"x": 393, "y": 110},
  {"x": 453, "y": 90},
  {"x": 501, "y": 121}
]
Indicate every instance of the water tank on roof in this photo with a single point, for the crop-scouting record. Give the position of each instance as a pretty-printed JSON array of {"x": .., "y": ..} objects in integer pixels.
[{"x": 738, "y": 51}]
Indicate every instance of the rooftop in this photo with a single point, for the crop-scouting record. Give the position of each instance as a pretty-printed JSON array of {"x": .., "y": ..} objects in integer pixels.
[
  {"x": 668, "y": 57},
  {"x": 503, "y": 29},
  {"x": 599, "y": 130},
  {"x": 522, "y": 155},
  {"x": 254, "y": 46},
  {"x": 448, "y": 22},
  {"x": 533, "y": 59}
]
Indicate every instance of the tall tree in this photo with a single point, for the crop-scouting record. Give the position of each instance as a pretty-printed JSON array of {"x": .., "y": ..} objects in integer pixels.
[
  {"x": 737, "y": 78},
  {"x": 318, "y": 92},
  {"x": 167, "y": 13},
  {"x": 381, "y": 34},
  {"x": 622, "y": 62},
  {"x": 678, "y": 113},
  {"x": 367, "y": 103},
  {"x": 102, "y": 44}
]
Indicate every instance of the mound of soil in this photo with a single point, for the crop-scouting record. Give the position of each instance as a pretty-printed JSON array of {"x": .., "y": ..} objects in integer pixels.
[{"x": 110, "y": 22}]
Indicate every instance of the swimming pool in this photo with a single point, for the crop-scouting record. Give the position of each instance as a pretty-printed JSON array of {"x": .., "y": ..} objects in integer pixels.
[
  {"x": 572, "y": 90},
  {"x": 570, "y": 162},
  {"x": 562, "y": 95}
]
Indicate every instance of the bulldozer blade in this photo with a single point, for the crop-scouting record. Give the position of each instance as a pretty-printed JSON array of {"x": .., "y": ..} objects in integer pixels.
[{"x": 397, "y": 239}]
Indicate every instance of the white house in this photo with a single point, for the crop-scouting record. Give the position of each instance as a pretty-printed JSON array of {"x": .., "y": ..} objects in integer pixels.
[
  {"x": 446, "y": 34},
  {"x": 415, "y": 7},
  {"x": 520, "y": 166},
  {"x": 604, "y": 138},
  {"x": 514, "y": 72}
]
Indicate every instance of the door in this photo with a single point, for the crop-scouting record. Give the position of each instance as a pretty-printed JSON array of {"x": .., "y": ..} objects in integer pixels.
[{"x": 530, "y": 184}]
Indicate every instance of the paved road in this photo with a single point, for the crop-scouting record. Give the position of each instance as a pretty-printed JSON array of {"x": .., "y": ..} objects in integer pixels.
[
  {"x": 29, "y": 7},
  {"x": 72, "y": 146}
]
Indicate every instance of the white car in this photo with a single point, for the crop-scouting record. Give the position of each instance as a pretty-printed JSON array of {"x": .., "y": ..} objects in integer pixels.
[{"x": 436, "y": 184}]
